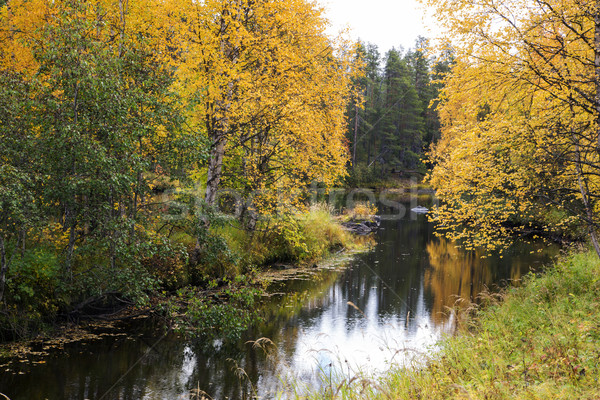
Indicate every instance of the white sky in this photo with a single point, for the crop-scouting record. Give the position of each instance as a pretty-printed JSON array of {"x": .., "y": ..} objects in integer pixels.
[{"x": 386, "y": 23}]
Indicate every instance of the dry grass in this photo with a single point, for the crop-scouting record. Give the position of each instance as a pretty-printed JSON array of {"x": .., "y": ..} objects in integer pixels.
[{"x": 361, "y": 211}]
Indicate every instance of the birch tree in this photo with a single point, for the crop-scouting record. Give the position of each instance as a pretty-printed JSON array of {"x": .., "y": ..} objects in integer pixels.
[{"x": 520, "y": 117}]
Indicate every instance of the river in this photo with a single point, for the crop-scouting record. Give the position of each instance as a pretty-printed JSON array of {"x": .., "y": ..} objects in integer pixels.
[{"x": 389, "y": 306}]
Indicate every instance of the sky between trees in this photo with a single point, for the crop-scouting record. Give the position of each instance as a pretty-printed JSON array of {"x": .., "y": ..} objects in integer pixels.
[{"x": 386, "y": 23}]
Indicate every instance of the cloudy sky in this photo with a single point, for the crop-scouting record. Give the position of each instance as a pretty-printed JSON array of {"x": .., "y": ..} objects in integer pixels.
[{"x": 387, "y": 23}]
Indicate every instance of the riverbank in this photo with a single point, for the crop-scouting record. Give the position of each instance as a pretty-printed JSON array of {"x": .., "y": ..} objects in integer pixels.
[
  {"x": 306, "y": 316},
  {"x": 214, "y": 298},
  {"x": 168, "y": 312},
  {"x": 540, "y": 340}
]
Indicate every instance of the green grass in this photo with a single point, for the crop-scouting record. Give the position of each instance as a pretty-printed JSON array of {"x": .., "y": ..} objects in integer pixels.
[
  {"x": 302, "y": 238},
  {"x": 539, "y": 341}
]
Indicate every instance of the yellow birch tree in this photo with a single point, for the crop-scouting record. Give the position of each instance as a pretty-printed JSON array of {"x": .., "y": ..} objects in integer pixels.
[
  {"x": 520, "y": 119},
  {"x": 270, "y": 88}
]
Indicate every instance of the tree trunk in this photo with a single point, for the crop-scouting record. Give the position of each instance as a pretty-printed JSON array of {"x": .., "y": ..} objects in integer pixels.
[
  {"x": 220, "y": 127},
  {"x": 123, "y": 9},
  {"x": 70, "y": 249},
  {"x": 113, "y": 255},
  {"x": 369, "y": 149},
  {"x": 3, "y": 268},
  {"x": 23, "y": 235},
  {"x": 215, "y": 168},
  {"x": 134, "y": 209},
  {"x": 355, "y": 138},
  {"x": 251, "y": 221},
  {"x": 586, "y": 197}
]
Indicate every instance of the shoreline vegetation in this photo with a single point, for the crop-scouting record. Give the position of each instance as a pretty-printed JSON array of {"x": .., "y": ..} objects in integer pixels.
[
  {"x": 220, "y": 308},
  {"x": 537, "y": 341},
  {"x": 123, "y": 135},
  {"x": 141, "y": 167}
]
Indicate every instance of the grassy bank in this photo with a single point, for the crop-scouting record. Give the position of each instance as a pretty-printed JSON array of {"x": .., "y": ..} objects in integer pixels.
[
  {"x": 305, "y": 237},
  {"x": 222, "y": 303},
  {"x": 539, "y": 341}
]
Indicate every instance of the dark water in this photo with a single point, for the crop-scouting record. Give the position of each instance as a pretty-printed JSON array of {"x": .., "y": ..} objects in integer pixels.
[{"x": 401, "y": 292}]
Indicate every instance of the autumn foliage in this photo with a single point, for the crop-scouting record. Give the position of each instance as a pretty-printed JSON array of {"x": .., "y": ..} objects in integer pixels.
[
  {"x": 519, "y": 150},
  {"x": 106, "y": 104}
]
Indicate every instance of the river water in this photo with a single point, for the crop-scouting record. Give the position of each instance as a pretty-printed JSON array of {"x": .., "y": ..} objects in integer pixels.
[{"x": 386, "y": 307}]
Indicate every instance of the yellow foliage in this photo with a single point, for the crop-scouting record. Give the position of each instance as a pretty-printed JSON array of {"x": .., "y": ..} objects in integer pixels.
[
  {"x": 519, "y": 115},
  {"x": 264, "y": 78},
  {"x": 362, "y": 210}
]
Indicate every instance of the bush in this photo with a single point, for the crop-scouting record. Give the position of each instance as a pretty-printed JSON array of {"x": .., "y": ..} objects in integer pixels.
[
  {"x": 362, "y": 175},
  {"x": 361, "y": 211},
  {"x": 169, "y": 270},
  {"x": 323, "y": 233},
  {"x": 226, "y": 315},
  {"x": 213, "y": 258},
  {"x": 31, "y": 297},
  {"x": 306, "y": 237},
  {"x": 303, "y": 238}
]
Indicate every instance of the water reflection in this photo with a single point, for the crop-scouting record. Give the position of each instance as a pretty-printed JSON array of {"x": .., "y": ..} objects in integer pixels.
[
  {"x": 402, "y": 292},
  {"x": 399, "y": 294},
  {"x": 455, "y": 275}
]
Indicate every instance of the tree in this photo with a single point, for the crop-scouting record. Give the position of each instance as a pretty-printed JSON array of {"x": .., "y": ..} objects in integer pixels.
[
  {"x": 101, "y": 117},
  {"x": 403, "y": 122},
  {"x": 419, "y": 66},
  {"x": 520, "y": 118},
  {"x": 18, "y": 208},
  {"x": 366, "y": 107},
  {"x": 442, "y": 67},
  {"x": 427, "y": 73},
  {"x": 270, "y": 89},
  {"x": 396, "y": 123}
]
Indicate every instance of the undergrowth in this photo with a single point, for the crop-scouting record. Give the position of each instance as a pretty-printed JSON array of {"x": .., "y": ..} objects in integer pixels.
[
  {"x": 301, "y": 238},
  {"x": 219, "y": 314},
  {"x": 188, "y": 259}
]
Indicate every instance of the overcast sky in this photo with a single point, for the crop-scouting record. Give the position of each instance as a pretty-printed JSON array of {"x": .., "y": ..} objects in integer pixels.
[{"x": 387, "y": 23}]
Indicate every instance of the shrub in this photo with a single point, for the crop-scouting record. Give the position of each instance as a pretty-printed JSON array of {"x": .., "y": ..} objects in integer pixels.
[
  {"x": 31, "y": 298},
  {"x": 226, "y": 315}
]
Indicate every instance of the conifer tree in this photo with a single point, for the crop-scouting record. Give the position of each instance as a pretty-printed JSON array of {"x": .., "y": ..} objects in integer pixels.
[{"x": 397, "y": 121}]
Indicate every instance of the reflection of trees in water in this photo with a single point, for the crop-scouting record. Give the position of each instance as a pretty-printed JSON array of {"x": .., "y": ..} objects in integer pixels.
[
  {"x": 111, "y": 368},
  {"x": 409, "y": 269},
  {"x": 458, "y": 274}
]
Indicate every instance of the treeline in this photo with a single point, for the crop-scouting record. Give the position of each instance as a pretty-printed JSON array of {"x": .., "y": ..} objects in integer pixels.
[
  {"x": 395, "y": 121},
  {"x": 120, "y": 124}
]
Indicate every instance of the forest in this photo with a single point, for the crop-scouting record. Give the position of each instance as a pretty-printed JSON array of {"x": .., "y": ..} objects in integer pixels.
[
  {"x": 160, "y": 157},
  {"x": 147, "y": 146},
  {"x": 396, "y": 121},
  {"x": 123, "y": 121}
]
